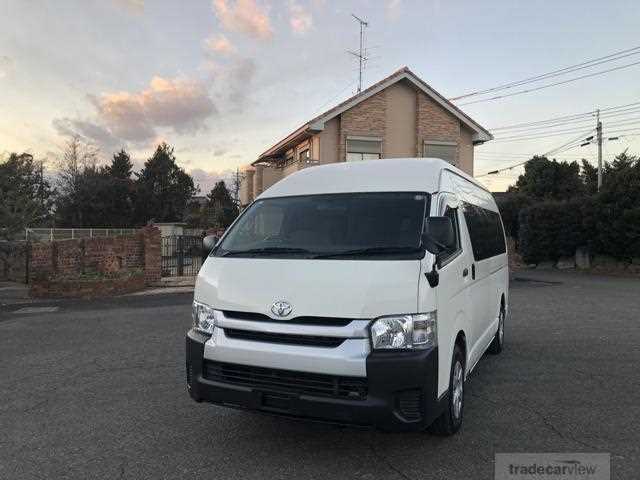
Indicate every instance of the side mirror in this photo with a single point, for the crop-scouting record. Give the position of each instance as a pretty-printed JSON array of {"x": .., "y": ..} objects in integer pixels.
[
  {"x": 439, "y": 235},
  {"x": 209, "y": 242}
]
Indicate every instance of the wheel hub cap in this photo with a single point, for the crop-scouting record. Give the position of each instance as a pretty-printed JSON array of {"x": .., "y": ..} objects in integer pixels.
[{"x": 458, "y": 385}]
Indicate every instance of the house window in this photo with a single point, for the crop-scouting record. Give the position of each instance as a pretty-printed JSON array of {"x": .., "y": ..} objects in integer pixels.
[
  {"x": 363, "y": 149},
  {"x": 444, "y": 150},
  {"x": 288, "y": 159},
  {"x": 303, "y": 156}
]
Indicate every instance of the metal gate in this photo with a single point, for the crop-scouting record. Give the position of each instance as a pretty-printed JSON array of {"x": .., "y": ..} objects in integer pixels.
[{"x": 181, "y": 255}]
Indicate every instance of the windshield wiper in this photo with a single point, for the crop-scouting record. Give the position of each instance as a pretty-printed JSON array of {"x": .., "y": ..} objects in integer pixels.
[
  {"x": 370, "y": 251},
  {"x": 264, "y": 251}
]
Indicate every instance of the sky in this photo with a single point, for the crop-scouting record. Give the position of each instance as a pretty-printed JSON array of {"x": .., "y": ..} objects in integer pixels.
[{"x": 222, "y": 80}]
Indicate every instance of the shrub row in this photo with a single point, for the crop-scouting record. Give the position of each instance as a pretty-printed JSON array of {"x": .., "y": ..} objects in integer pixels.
[{"x": 550, "y": 230}]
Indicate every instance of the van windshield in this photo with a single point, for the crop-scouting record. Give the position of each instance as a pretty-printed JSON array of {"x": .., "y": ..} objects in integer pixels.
[{"x": 380, "y": 225}]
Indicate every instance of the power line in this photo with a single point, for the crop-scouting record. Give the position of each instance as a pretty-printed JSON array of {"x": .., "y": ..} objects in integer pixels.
[
  {"x": 611, "y": 111},
  {"x": 550, "y": 152},
  {"x": 562, "y": 71},
  {"x": 549, "y": 85},
  {"x": 538, "y": 135}
]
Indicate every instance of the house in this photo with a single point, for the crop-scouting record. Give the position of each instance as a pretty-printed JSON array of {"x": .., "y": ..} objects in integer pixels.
[{"x": 399, "y": 116}]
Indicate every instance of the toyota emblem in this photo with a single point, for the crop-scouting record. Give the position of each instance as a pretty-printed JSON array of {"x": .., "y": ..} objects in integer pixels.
[{"x": 281, "y": 308}]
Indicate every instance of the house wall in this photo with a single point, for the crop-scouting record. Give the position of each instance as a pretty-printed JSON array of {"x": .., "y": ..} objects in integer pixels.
[
  {"x": 246, "y": 187},
  {"x": 329, "y": 140},
  {"x": 435, "y": 123},
  {"x": 270, "y": 175},
  {"x": 368, "y": 118},
  {"x": 465, "y": 151},
  {"x": 400, "y": 121}
]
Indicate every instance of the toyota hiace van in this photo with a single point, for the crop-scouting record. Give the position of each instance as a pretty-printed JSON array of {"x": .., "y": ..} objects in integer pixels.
[{"x": 357, "y": 292}]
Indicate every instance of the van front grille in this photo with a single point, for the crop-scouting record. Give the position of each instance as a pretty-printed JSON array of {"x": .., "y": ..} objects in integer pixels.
[
  {"x": 286, "y": 381},
  {"x": 285, "y": 338},
  {"x": 259, "y": 317}
]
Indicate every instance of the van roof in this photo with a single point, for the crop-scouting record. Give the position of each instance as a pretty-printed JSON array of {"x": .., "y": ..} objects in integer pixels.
[{"x": 387, "y": 175}]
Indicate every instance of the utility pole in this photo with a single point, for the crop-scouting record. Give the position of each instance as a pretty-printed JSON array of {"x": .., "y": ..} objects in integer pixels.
[
  {"x": 599, "y": 140},
  {"x": 360, "y": 55}
]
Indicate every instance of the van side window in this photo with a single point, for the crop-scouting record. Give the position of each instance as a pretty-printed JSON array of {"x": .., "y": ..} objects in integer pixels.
[
  {"x": 447, "y": 255},
  {"x": 485, "y": 230}
]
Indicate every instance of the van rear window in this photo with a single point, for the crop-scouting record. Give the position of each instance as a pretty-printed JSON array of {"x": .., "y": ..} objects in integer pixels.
[{"x": 485, "y": 230}]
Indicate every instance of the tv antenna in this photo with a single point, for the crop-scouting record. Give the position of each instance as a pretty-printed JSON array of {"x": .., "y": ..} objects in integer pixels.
[{"x": 360, "y": 55}]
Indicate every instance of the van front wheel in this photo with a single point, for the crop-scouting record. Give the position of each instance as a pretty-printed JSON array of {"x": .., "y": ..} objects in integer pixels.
[
  {"x": 498, "y": 341},
  {"x": 451, "y": 419}
]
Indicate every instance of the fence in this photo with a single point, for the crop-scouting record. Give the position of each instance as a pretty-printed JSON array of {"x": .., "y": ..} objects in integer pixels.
[
  {"x": 181, "y": 255},
  {"x": 51, "y": 234}
]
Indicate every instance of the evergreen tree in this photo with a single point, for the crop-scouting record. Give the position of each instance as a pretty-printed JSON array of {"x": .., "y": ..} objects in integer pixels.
[
  {"x": 550, "y": 180},
  {"x": 222, "y": 209},
  {"x": 162, "y": 188}
]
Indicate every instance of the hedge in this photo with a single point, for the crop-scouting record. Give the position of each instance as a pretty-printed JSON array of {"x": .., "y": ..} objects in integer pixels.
[{"x": 551, "y": 230}]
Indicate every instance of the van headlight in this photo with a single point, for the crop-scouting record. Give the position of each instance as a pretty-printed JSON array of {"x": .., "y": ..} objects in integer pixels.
[
  {"x": 416, "y": 331},
  {"x": 204, "y": 318}
]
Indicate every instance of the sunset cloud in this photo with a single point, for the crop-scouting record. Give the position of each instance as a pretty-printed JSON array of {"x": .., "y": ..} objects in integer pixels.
[
  {"x": 244, "y": 16},
  {"x": 180, "y": 104},
  {"x": 219, "y": 44},
  {"x": 300, "y": 19}
]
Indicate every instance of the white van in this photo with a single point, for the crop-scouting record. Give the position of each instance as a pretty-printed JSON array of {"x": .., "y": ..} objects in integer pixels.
[{"x": 359, "y": 293}]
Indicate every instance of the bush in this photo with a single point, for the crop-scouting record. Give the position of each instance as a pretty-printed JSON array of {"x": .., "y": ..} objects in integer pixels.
[
  {"x": 510, "y": 205},
  {"x": 551, "y": 230},
  {"x": 613, "y": 219}
]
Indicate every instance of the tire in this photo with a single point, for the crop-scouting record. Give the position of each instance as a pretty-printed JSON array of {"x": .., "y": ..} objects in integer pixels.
[
  {"x": 451, "y": 419},
  {"x": 497, "y": 344}
]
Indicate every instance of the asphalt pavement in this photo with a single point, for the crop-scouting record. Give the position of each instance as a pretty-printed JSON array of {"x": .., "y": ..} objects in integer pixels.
[{"x": 96, "y": 389}]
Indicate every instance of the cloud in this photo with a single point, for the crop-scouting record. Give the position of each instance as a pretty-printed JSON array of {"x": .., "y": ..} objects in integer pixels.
[
  {"x": 6, "y": 66},
  {"x": 206, "y": 180},
  {"x": 244, "y": 16},
  {"x": 69, "y": 127},
  {"x": 132, "y": 6},
  {"x": 237, "y": 79},
  {"x": 179, "y": 104},
  {"x": 219, "y": 44},
  {"x": 392, "y": 9},
  {"x": 300, "y": 19}
]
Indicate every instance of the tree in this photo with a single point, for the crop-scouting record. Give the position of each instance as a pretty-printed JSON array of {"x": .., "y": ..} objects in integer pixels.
[
  {"x": 236, "y": 185},
  {"x": 162, "y": 188},
  {"x": 550, "y": 180},
  {"x": 589, "y": 177},
  {"x": 26, "y": 200},
  {"x": 83, "y": 187},
  {"x": 613, "y": 220},
  {"x": 121, "y": 166},
  {"x": 119, "y": 197},
  {"x": 221, "y": 208}
]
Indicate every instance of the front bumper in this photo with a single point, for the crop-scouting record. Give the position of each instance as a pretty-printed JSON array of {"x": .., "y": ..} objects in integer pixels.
[{"x": 401, "y": 392}]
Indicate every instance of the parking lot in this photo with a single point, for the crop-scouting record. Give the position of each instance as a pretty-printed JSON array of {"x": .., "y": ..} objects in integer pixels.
[{"x": 97, "y": 390}]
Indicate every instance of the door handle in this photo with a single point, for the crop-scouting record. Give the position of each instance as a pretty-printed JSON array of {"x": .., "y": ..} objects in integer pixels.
[{"x": 465, "y": 272}]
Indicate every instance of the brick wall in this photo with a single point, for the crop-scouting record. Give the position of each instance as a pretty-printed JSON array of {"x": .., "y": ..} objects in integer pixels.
[
  {"x": 368, "y": 118},
  {"x": 111, "y": 256},
  {"x": 152, "y": 248},
  {"x": 434, "y": 123}
]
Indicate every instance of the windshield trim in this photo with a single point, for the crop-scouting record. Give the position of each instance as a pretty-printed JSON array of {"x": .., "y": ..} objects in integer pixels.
[{"x": 415, "y": 254}]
